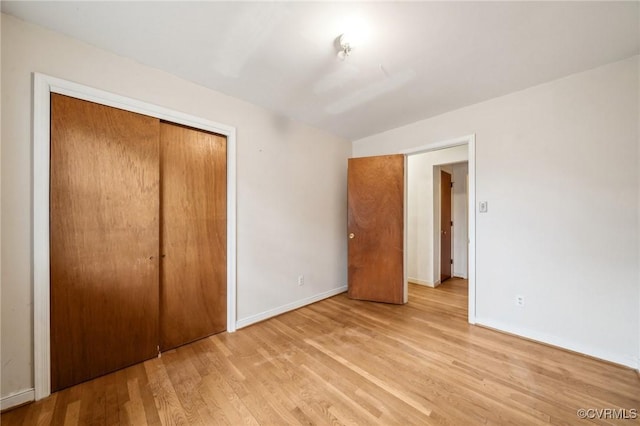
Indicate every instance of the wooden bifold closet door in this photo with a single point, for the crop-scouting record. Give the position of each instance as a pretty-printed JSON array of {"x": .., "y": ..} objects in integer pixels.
[
  {"x": 194, "y": 235},
  {"x": 103, "y": 240},
  {"x": 119, "y": 182}
]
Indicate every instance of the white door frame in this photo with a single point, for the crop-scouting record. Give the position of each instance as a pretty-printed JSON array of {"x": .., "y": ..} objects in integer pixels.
[
  {"x": 470, "y": 142},
  {"x": 43, "y": 86}
]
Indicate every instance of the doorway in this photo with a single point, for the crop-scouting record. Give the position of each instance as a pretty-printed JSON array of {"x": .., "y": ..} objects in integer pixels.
[
  {"x": 457, "y": 156},
  {"x": 437, "y": 216},
  {"x": 375, "y": 195}
]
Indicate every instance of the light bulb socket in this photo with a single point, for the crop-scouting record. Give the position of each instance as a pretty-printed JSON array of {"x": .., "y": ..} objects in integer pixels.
[{"x": 345, "y": 45}]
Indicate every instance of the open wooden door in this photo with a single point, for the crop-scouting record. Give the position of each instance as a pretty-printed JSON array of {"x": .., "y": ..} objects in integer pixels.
[
  {"x": 445, "y": 226},
  {"x": 376, "y": 228}
]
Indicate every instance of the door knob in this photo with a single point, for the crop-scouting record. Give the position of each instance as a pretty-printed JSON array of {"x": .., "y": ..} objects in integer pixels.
[{"x": 352, "y": 236}]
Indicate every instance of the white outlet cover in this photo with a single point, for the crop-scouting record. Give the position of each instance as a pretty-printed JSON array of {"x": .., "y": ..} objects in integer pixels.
[{"x": 483, "y": 206}]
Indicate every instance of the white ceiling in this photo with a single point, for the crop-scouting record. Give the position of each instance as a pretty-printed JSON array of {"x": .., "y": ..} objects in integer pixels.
[{"x": 421, "y": 58}]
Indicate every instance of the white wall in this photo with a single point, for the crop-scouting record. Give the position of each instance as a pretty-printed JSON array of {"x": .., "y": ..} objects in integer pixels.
[
  {"x": 291, "y": 185},
  {"x": 460, "y": 219},
  {"x": 423, "y": 225},
  {"x": 558, "y": 164}
]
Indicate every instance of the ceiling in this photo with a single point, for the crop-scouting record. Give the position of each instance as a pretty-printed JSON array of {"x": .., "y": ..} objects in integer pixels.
[{"x": 419, "y": 59}]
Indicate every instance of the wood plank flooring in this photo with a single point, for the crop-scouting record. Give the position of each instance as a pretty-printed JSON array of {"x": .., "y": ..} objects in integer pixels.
[{"x": 341, "y": 361}]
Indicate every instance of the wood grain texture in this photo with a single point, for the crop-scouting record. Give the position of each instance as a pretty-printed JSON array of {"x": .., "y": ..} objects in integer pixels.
[
  {"x": 193, "y": 300},
  {"x": 376, "y": 223},
  {"x": 343, "y": 361},
  {"x": 104, "y": 239},
  {"x": 445, "y": 225}
]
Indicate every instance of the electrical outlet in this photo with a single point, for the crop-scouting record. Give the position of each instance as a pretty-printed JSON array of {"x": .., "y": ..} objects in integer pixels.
[
  {"x": 300, "y": 280},
  {"x": 520, "y": 301},
  {"x": 483, "y": 206}
]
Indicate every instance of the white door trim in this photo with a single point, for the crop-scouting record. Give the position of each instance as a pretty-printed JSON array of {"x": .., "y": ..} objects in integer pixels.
[
  {"x": 43, "y": 86},
  {"x": 470, "y": 141}
]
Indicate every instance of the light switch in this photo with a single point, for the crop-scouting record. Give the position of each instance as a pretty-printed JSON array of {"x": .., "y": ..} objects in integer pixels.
[{"x": 483, "y": 206}]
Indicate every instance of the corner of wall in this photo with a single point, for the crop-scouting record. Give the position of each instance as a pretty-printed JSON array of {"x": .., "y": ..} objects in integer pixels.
[
  {"x": 421, "y": 282},
  {"x": 16, "y": 399},
  {"x": 245, "y": 322}
]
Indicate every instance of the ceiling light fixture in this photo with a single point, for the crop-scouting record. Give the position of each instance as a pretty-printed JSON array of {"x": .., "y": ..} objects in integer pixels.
[
  {"x": 355, "y": 34},
  {"x": 346, "y": 46}
]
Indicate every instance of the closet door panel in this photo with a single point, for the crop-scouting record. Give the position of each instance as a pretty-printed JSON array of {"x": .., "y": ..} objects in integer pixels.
[
  {"x": 104, "y": 239},
  {"x": 193, "y": 286}
]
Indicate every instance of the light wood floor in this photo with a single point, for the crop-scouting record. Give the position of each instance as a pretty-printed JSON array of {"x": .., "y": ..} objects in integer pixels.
[{"x": 347, "y": 362}]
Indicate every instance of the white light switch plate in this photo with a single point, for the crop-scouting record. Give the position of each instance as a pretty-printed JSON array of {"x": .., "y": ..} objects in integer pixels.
[{"x": 483, "y": 206}]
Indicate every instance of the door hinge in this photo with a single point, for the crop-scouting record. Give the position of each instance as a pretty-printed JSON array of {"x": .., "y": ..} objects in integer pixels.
[
  {"x": 451, "y": 223},
  {"x": 452, "y": 261},
  {"x": 452, "y": 184}
]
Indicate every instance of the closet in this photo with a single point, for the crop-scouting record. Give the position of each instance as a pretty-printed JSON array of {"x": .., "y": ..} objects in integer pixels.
[{"x": 137, "y": 238}]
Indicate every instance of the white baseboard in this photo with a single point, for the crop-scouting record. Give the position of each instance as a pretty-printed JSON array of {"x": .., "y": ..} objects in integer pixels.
[
  {"x": 462, "y": 275},
  {"x": 17, "y": 398},
  {"x": 420, "y": 282},
  {"x": 627, "y": 361},
  {"x": 288, "y": 307}
]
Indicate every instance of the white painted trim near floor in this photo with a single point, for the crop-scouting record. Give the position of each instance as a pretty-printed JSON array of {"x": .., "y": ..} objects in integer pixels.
[
  {"x": 420, "y": 282},
  {"x": 245, "y": 322},
  {"x": 43, "y": 86},
  {"x": 550, "y": 339},
  {"x": 17, "y": 398},
  {"x": 470, "y": 142}
]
